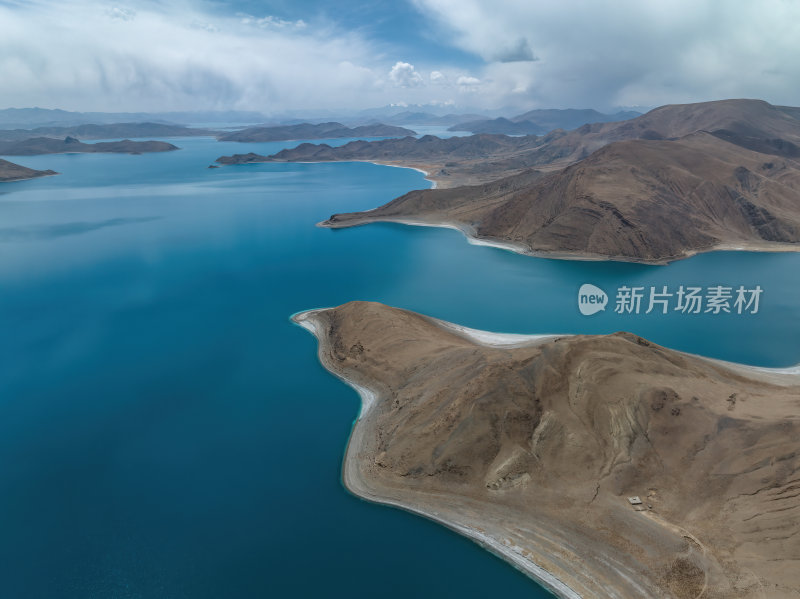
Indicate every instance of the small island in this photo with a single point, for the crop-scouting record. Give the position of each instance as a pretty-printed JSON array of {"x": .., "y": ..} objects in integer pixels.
[
  {"x": 601, "y": 466},
  {"x": 107, "y": 131},
  {"x": 10, "y": 171},
  {"x": 48, "y": 145}
]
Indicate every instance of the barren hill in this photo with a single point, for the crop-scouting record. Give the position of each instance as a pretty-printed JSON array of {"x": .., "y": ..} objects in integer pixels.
[
  {"x": 533, "y": 448},
  {"x": 753, "y": 124}
]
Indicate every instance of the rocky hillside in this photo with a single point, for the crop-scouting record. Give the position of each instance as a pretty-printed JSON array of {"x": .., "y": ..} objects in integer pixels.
[{"x": 539, "y": 446}]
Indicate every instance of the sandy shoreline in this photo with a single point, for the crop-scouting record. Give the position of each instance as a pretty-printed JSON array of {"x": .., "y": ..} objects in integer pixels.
[
  {"x": 786, "y": 375},
  {"x": 306, "y": 320},
  {"x": 524, "y": 250},
  {"x": 490, "y": 339},
  {"x": 434, "y": 182}
]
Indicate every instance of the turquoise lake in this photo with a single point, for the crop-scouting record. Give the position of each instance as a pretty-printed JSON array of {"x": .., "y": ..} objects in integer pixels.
[{"x": 166, "y": 432}]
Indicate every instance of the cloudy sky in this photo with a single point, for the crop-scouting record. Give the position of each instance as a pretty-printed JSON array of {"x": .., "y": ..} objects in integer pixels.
[{"x": 280, "y": 55}]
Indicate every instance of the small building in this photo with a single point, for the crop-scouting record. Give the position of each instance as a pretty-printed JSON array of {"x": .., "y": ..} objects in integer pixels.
[{"x": 635, "y": 500}]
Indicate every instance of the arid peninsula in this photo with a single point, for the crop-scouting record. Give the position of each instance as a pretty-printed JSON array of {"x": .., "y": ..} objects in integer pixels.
[{"x": 602, "y": 466}]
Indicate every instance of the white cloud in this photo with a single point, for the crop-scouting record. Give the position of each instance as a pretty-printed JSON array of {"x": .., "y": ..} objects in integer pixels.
[
  {"x": 273, "y": 22},
  {"x": 404, "y": 74},
  {"x": 467, "y": 81},
  {"x": 588, "y": 53},
  {"x": 210, "y": 27},
  {"x": 121, "y": 13},
  {"x": 152, "y": 56}
]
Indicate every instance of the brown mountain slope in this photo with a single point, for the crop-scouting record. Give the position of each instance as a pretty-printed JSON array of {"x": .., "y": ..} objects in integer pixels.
[
  {"x": 753, "y": 124},
  {"x": 746, "y": 117},
  {"x": 638, "y": 200},
  {"x": 10, "y": 171},
  {"x": 533, "y": 449}
]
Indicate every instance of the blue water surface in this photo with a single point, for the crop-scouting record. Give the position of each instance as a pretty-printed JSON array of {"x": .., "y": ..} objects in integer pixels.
[{"x": 166, "y": 432}]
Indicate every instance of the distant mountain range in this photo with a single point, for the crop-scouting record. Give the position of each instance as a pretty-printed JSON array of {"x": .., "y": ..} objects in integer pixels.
[
  {"x": 541, "y": 121},
  {"x": 501, "y": 126},
  {"x": 311, "y": 131},
  {"x": 27, "y": 118},
  {"x": 426, "y": 118}
]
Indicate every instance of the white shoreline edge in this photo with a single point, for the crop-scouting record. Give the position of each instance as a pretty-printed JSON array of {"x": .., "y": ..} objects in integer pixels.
[
  {"x": 511, "y": 340},
  {"x": 467, "y": 232},
  {"x": 789, "y": 371},
  {"x": 34, "y": 176},
  {"x": 434, "y": 184},
  {"x": 369, "y": 398},
  {"x": 518, "y": 248},
  {"x": 490, "y": 339}
]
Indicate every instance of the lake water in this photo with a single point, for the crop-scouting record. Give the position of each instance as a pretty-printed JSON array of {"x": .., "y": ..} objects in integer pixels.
[{"x": 166, "y": 432}]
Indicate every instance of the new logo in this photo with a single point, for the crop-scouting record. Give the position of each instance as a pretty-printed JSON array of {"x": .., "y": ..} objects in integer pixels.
[{"x": 591, "y": 299}]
